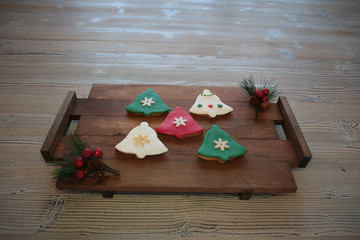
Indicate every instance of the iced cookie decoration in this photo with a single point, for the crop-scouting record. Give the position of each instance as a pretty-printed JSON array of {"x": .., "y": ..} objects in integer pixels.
[
  {"x": 180, "y": 124},
  {"x": 142, "y": 141},
  {"x": 208, "y": 103},
  {"x": 220, "y": 146},
  {"x": 148, "y": 103}
]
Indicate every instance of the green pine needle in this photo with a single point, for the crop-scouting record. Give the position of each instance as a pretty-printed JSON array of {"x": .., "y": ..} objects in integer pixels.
[
  {"x": 63, "y": 172},
  {"x": 273, "y": 87},
  {"x": 75, "y": 146},
  {"x": 248, "y": 85}
]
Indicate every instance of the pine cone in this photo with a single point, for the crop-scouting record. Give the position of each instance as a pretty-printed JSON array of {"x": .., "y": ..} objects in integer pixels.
[
  {"x": 254, "y": 101},
  {"x": 264, "y": 106},
  {"x": 95, "y": 165},
  {"x": 98, "y": 177}
]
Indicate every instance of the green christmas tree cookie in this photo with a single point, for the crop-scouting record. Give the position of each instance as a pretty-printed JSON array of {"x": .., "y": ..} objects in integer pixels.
[
  {"x": 220, "y": 146},
  {"x": 148, "y": 103}
]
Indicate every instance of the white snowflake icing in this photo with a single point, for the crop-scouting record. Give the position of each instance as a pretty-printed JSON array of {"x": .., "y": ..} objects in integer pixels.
[
  {"x": 179, "y": 121},
  {"x": 221, "y": 144},
  {"x": 147, "y": 101}
]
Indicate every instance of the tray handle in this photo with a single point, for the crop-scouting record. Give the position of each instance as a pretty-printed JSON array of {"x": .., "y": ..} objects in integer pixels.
[
  {"x": 293, "y": 132},
  {"x": 59, "y": 127}
]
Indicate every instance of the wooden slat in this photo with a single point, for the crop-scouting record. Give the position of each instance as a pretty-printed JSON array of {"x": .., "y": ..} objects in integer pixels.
[
  {"x": 276, "y": 150},
  {"x": 294, "y": 133},
  {"x": 128, "y": 92},
  {"x": 185, "y": 97},
  {"x": 265, "y": 168},
  {"x": 156, "y": 180},
  {"x": 121, "y": 126},
  {"x": 116, "y": 107},
  {"x": 59, "y": 127}
]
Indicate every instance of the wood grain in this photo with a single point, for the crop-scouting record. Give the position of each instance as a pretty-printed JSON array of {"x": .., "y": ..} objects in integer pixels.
[
  {"x": 311, "y": 48},
  {"x": 59, "y": 127},
  {"x": 293, "y": 132},
  {"x": 265, "y": 169}
]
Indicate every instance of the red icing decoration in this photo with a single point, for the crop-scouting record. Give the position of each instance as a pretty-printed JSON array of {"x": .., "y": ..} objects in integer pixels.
[
  {"x": 169, "y": 128},
  {"x": 210, "y": 105}
]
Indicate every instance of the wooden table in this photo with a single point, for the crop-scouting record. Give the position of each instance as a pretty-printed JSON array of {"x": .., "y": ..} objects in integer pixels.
[{"x": 311, "y": 48}]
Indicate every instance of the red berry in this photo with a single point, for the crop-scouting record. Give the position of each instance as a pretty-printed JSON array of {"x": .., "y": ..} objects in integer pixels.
[
  {"x": 80, "y": 174},
  {"x": 86, "y": 153},
  {"x": 79, "y": 162},
  {"x": 210, "y": 105},
  {"x": 97, "y": 153},
  {"x": 264, "y": 99},
  {"x": 266, "y": 91},
  {"x": 259, "y": 93}
]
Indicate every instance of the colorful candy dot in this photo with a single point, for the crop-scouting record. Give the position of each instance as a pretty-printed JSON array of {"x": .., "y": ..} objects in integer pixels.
[
  {"x": 210, "y": 105},
  {"x": 220, "y": 105},
  {"x": 199, "y": 105}
]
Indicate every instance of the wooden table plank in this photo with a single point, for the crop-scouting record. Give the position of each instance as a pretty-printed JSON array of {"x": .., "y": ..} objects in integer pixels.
[{"x": 311, "y": 48}]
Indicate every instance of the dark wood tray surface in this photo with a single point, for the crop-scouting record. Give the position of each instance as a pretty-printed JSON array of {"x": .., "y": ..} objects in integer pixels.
[{"x": 104, "y": 122}]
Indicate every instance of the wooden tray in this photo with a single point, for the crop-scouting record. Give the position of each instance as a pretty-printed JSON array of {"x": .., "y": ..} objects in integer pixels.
[{"x": 104, "y": 122}]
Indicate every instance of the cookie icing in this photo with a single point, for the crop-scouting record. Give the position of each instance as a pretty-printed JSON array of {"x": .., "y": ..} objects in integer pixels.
[
  {"x": 179, "y": 123},
  {"x": 142, "y": 141},
  {"x": 207, "y": 103},
  {"x": 148, "y": 103},
  {"x": 219, "y": 144}
]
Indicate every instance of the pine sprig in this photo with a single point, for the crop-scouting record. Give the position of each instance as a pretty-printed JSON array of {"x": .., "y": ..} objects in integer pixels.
[
  {"x": 272, "y": 86},
  {"x": 93, "y": 165},
  {"x": 260, "y": 97},
  {"x": 249, "y": 87}
]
